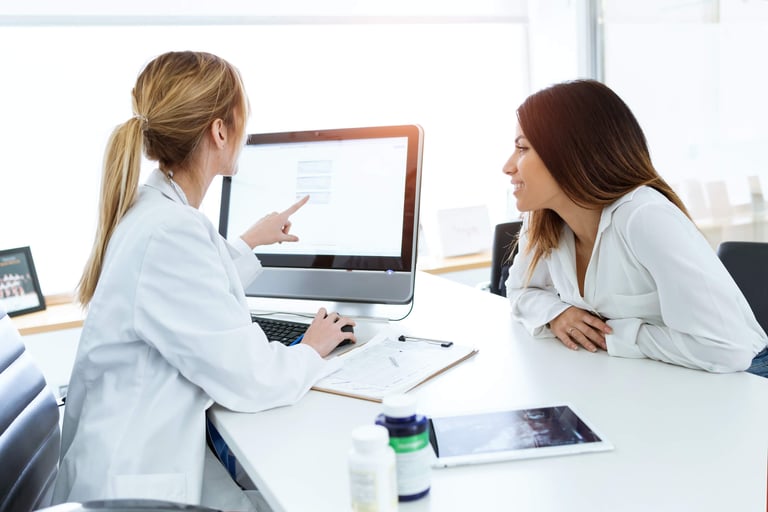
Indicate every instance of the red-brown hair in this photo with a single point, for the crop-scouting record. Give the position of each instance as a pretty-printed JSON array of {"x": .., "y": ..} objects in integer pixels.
[{"x": 594, "y": 148}]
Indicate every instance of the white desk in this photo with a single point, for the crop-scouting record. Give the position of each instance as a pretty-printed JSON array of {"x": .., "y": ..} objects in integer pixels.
[{"x": 684, "y": 439}]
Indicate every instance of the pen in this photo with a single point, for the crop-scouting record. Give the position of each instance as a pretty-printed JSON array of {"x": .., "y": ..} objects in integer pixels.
[
  {"x": 394, "y": 361},
  {"x": 442, "y": 343},
  {"x": 297, "y": 340}
]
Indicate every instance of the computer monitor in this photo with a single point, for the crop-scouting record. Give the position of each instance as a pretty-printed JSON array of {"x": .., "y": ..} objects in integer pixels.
[{"x": 358, "y": 231}]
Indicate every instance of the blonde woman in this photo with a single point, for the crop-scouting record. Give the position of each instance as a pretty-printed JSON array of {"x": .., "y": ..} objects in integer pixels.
[{"x": 168, "y": 331}]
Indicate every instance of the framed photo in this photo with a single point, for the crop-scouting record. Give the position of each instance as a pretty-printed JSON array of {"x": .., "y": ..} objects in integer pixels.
[{"x": 19, "y": 289}]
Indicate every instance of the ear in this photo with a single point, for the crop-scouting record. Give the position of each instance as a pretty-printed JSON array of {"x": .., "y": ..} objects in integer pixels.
[{"x": 218, "y": 132}]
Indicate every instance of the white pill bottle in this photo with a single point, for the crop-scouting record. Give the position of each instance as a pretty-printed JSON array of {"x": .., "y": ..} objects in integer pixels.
[{"x": 372, "y": 476}]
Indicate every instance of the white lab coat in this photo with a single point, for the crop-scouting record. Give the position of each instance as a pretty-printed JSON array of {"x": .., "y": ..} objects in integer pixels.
[
  {"x": 655, "y": 278},
  {"x": 167, "y": 334}
]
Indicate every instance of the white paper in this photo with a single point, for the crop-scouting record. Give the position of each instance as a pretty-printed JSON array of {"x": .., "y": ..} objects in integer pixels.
[{"x": 386, "y": 365}]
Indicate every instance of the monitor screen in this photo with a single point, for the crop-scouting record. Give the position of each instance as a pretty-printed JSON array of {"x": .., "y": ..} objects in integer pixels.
[{"x": 358, "y": 231}]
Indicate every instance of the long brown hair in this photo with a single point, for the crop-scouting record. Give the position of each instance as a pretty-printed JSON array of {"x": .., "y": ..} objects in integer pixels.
[
  {"x": 594, "y": 148},
  {"x": 176, "y": 98}
]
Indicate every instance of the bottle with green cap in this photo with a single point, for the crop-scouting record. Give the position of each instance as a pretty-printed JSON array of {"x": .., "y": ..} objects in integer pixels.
[{"x": 409, "y": 438}]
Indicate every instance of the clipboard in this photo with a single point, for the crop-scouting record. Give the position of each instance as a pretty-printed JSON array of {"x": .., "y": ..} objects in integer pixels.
[{"x": 386, "y": 365}]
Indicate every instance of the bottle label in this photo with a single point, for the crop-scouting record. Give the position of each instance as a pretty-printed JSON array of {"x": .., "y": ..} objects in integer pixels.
[
  {"x": 413, "y": 463},
  {"x": 409, "y": 443},
  {"x": 373, "y": 491}
]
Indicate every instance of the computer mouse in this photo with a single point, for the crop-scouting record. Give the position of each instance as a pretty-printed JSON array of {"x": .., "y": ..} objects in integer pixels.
[{"x": 346, "y": 328}]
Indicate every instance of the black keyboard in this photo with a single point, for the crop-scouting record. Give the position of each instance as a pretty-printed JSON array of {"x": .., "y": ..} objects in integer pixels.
[{"x": 283, "y": 331}]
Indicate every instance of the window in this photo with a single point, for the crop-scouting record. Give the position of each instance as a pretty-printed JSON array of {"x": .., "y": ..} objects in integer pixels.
[
  {"x": 68, "y": 80},
  {"x": 691, "y": 72}
]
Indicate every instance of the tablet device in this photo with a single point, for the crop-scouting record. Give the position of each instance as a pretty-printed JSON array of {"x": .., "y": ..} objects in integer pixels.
[{"x": 493, "y": 436}]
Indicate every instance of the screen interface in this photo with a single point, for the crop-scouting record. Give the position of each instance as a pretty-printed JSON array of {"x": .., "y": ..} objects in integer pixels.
[{"x": 356, "y": 188}]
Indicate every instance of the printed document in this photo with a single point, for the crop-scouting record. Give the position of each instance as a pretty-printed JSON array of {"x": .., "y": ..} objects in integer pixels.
[{"x": 386, "y": 365}]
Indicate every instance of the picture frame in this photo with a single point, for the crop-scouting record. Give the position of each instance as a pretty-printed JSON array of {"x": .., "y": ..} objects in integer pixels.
[{"x": 20, "y": 291}]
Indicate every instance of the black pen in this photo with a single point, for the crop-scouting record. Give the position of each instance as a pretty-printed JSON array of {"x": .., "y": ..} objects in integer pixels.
[{"x": 442, "y": 343}]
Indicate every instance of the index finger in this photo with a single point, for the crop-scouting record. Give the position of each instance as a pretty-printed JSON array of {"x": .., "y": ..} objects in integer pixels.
[
  {"x": 598, "y": 323},
  {"x": 295, "y": 206}
]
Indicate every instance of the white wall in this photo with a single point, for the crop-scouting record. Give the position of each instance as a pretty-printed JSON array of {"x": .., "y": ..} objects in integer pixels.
[{"x": 239, "y": 8}]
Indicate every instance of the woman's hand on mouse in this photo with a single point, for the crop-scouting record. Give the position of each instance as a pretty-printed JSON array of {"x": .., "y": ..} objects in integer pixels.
[
  {"x": 324, "y": 333},
  {"x": 274, "y": 227},
  {"x": 576, "y": 327}
]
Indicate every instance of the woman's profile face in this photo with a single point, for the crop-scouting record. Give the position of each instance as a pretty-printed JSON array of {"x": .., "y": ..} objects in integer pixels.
[{"x": 534, "y": 187}]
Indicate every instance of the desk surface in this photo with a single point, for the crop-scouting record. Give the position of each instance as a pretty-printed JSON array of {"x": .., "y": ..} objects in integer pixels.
[
  {"x": 684, "y": 439},
  {"x": 60, "y": 313},
  {"x": 432, "y": 265}
]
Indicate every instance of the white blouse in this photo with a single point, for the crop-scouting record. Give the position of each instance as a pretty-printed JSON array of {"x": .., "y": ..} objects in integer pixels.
[{"x": 656, "y": 280}]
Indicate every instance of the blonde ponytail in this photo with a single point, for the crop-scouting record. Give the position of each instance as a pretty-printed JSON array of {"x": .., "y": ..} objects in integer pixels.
[
  {"x": 119, "y": 184},
  {"x": 176, "y": 98}
]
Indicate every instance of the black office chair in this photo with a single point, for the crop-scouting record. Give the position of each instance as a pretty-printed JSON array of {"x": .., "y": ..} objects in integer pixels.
[
  {"x": 503, "y": 252},
  {"x": 747, "y": 263},
  {"x": 29, "y": 427},
  {"x": 30, "y": 439}
]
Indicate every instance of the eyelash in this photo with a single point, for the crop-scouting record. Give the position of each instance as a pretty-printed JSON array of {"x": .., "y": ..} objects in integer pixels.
[{"x": 520, "y": 148}]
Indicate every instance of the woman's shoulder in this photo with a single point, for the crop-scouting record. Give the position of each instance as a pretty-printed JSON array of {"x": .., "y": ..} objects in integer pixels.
[
  {"x": 645, "y": 206},
  {"x": 641, "y": 198},
  {"x": 151, "y": 201},
  {"x": 153, "y": 214}
]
